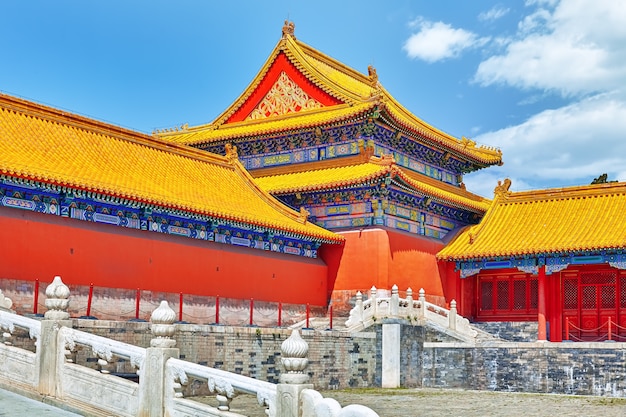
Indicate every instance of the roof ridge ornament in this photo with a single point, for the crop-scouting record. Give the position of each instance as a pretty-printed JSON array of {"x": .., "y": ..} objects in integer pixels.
[
  {"x": 231, "y": 152},
  {"x": 467, "y": 143},
  {"x": 502, "y": 189},
  {"x": 289, "y": 28},
  {"x": 303, "y": 215},
  {"x": 372, "y": 75}
]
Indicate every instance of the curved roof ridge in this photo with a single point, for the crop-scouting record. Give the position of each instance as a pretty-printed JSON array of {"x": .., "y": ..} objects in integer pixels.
[
  {"x": 311, "y": 59},
  {"x": 574, "y": 191},
  {"x": 463, "y": 145},
  {"x": 575, "y": 219},
  {"x": 450, "y": 195},
  {"x": 359, "y": 172}
]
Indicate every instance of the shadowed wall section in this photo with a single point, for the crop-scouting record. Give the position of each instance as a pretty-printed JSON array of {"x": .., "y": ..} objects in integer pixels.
[{"x": 381, "y": 258}]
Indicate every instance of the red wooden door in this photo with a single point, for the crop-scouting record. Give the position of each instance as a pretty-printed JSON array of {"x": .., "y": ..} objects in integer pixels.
[{"x": 590, "y": 300}]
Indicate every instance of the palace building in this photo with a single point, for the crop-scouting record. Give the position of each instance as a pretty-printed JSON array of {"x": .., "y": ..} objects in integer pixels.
[
  {"x": 329, "y": 140},
  {"x": 313, "y": 184},
  {"x": 556, "y": 256}
]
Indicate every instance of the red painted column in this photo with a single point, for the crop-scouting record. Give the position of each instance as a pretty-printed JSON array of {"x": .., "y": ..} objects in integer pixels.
[
  {"x": 541, "y": 301},
  {"x": 89, "y": 299},
  {"x": 555, "y": 309},
  {"x": 459, "y": 295},
  {"x": 36, "y": 296}
]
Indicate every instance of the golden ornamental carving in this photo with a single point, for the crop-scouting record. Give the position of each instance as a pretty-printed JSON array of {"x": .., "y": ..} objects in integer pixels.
[
  {"x": 284, "y": 97},
  {"x": 303, "y": 215},
  {"x": 373, "y": 76},
  {"x": 289, "y": 28},
  {"x": 502, "y": 189},
  {"x": 231, "y": 152},
  {"x": 467, "y": 143}
]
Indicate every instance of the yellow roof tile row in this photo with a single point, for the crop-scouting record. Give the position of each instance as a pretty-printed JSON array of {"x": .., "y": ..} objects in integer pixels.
[
  {"x": 291, "y": 121},
  {"x": 340, "y": 81},
  {"x": 321, "y": 179},
  {"x": 573, "y": 219},
  {"x": 43, "y": 144},
  {"x": 402, "y": 116},
  {"x": 338, "y": 177}
]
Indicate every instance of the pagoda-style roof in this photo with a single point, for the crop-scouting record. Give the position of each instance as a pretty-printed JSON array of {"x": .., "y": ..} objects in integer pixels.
[
  {"x": 299, "y": 87},
  {"x": 550, "y": 222},
  {"x": 43, "y": 145},
  {"x": 320, "y": 176}
]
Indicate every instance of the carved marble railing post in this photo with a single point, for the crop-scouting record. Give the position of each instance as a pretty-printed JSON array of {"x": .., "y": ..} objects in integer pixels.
[
  {"x": 374, "y": 301},
  {"x": 409, "y": 302},
  {"x": 5, "y": 305},
  {"x": 5, "y": 302},
  {"x": 394, "y": 303},
  {"x": 422, "y": 299},
  {"x": 293, "y": 380},
  {"x": 57, "y": 303},
  {"x": 357, "y": 313},
  {"x": 359, "y": 306},
  {"x": 152, "y": 376},
  {"x": 452, "y": 315}
]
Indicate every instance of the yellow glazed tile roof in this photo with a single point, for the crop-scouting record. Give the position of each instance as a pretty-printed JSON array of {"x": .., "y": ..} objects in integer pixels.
[
  {"x": 357, "y": 91},
  {"x": 292, "y": 121},
  {"x": 339, "y": 177},
  {"x": 572, "y": 219},
  {"x": 46, "y": 145}
]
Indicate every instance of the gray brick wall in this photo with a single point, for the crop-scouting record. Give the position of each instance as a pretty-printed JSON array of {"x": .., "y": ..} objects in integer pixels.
[
  {"x": 336, "y": 360},
  {"x": 581, "y": 368},
  {"x": 523, "y": 331},
  {"x": 428, "y": 359}
]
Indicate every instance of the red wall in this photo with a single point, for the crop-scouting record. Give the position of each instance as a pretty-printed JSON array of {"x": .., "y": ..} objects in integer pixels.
[
  {"x": 40, "y": 246},
  {"x": 382, "y": 258}
]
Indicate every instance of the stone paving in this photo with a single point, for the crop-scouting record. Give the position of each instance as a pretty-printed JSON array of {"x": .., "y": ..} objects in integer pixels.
[
  {"x": 461, "y": 403},
  {"x": 448, "y": 403},
  {"x": 14, "y": 405},
  {"x": 401, "y": 402}
]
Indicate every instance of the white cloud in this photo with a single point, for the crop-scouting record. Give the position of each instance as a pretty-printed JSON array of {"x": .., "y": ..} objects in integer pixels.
[
  {"x": 569, "y": 145},
  {"x": 436, "y": 41},
  {"x": 494, "y": 13},
  {"x": 576, "y": 48},
  {"x": 573, "y": 47}
]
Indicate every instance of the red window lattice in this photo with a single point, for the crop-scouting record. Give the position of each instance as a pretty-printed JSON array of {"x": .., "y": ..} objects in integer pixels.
[
  {"x": 622, "y": 292},
  {"x": 519, "y": 295},
  {"x": 502, "y": 297},
  {"x": 607, "y": 296},
  {"x": 598, "y": 277},
  {"x": 588, "y": 296},
  {"x": 486, "y": 299},
  {"x": 570, "y": 294},
  {"x": 508, "y": 295}
]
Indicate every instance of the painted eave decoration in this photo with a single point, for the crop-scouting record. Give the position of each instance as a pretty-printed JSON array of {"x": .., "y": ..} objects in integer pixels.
[
  {"x": 42, "y": 145},
  {"x": 552, "y": 222},
  {"x": 374, "y": 170},
  {"x": 299, "y": 87}
]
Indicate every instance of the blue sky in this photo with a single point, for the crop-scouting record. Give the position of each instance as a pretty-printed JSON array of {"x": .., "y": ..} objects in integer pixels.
[{"x": 543, "y": 80}]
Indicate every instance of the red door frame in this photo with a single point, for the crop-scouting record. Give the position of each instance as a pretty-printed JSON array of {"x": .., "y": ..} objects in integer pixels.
[{"x": 600, "y": 294}]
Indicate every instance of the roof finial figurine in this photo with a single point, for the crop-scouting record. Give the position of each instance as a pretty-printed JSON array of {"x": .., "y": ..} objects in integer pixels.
[
  {"x": 289, "y": 28},
  {"x": 602, "y": 179},
  {"x": 371, "y": 72},
  {"x": 303, "y": 215},
  {"x": 502, "y": 189},
  {"x": 231, "y": 152}
]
